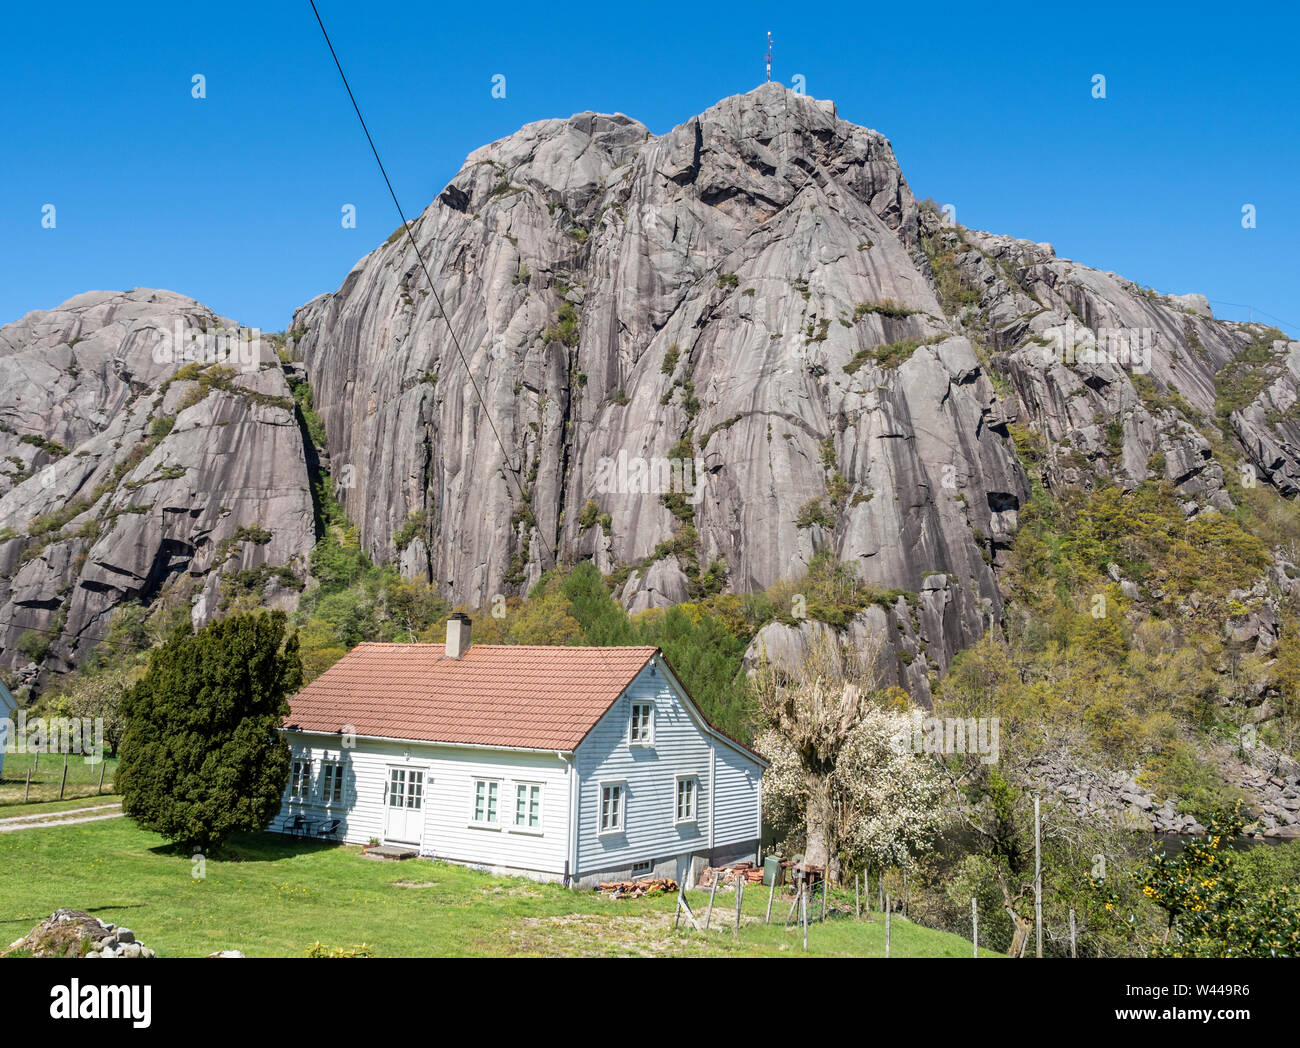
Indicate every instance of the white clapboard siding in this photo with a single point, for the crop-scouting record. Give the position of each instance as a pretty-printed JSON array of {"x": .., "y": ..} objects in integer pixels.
[
  {"x": 682, "y": 746},
  {"x": 735, "y": 799},
  {"x": 450, "y": 773}
]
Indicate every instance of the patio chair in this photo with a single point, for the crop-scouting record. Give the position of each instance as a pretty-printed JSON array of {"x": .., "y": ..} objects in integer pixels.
[
  {"x": 330, "y": 829},
  {"x": 295, "y": 826}
]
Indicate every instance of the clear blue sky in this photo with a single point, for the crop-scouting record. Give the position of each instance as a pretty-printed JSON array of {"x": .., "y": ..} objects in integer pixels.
[{"x": 235, "y": 199}]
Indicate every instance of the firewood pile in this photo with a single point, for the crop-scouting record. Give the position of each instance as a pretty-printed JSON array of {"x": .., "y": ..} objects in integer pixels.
[
  {"x": 636, "y": 889},
  {"x": 727, "y": 875}
]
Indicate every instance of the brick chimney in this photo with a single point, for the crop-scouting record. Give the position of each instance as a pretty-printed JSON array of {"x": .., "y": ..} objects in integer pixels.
[{"x": 457, "y": 635}]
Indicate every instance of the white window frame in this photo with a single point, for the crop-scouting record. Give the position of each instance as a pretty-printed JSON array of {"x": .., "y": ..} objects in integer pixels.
[
  {"x": 694, "y": 817},
  {"x": 517, "y": 827},
  {"x": 300, "y": 790},
  {"x": 408, "y": 794},
  {"x": 649, "y": 740},
  {"x": 621, "y": 828},
  {"x": 331, "y": 783},
  {"x": 485, "y": 824}
]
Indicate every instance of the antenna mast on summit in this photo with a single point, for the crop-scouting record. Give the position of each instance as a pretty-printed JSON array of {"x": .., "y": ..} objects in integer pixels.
[{"x": 768, "y": 56}]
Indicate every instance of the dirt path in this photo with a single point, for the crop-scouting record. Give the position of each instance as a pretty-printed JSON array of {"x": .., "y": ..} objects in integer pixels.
[{"x": 60, "y": 818}]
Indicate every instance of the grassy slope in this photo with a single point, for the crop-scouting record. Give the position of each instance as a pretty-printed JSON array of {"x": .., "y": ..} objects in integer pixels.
[{"x": 268, "y": 897}]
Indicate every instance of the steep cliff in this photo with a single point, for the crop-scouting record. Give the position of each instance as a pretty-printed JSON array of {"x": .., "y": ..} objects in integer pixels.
[
  {"x": 146, "y": 448},
  {"x": 698, "y": 359},
  {"x": 718, "y": 297}
]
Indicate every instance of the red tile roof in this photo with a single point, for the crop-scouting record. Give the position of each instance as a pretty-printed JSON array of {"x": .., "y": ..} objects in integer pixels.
[{"x": 542, "y": 698}]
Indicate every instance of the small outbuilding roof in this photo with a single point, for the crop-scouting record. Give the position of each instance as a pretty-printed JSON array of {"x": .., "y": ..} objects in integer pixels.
[{"x": 515, "y": 696}]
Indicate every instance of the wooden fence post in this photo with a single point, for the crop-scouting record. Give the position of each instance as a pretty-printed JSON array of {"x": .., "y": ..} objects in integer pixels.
[
  {"x": 803, "y": 897},
  {"x": 708, "y": 914},
  {"x": 1073, "y": 952},
  {"x": 684, "y": 906},
  {"x": 100, "y": 788},
  {"x": 740, "y": 901},
  {"x": 888, "y": 909},
  {"x": 975, "y": 924},
  {"x": 857, "y": 899},
  {"x": 771, "y": 890},
  {"x": 64, "y": 782},
  {"x": 27, "y": 790},
  {"x": 826, "y": 887},
  {"x": 1038, "y": 877}
]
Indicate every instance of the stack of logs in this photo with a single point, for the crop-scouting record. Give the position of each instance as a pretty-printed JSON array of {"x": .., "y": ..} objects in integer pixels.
[
  {"x": 727, "y": 875},
  {"x": 636, "y": 889}
]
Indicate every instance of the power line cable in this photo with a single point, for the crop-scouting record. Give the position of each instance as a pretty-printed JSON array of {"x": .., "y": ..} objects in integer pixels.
[{"x": 512, "y": 469}]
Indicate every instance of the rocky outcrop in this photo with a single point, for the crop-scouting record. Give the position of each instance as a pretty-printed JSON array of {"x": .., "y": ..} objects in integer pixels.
[
  {"x": 147, "y": 450},
  {"x": 1270, "y": 786},
  {"x": 915, "y": 637},
  {"x": 1122, "y": 382}
]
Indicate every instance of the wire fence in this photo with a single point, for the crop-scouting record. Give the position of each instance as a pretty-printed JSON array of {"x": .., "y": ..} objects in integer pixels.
[{"x": 35, "y": 778}]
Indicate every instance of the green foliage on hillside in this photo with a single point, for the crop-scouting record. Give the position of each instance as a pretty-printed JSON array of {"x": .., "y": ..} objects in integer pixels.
[
  {"x": 1064, "y": 547},
  {"x": 886, "y": 307},
  {"x": 1210, "y": 909},
  {"x": 355, "y": 601},
  {"x": 1147, "y": 679},
  {"x": 305, "y": 399},
  {"x": 955, "y": 295},
  {"x": 1248, "y": 374},
  {"x": 566, "y": 327},
  {"x": 889, "y": 356}
]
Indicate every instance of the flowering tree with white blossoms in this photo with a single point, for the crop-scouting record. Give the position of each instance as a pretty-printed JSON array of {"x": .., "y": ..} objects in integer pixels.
[{"x": 844, "y": 780}]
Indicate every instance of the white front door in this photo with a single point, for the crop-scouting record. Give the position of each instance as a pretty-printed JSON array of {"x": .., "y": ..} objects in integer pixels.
[{"x": 404, "y": 812}]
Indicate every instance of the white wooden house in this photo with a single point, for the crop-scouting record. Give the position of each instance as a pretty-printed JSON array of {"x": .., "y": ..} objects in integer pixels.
[
  {"x": 8, "y": 710},
  {"x": 572, "y": 764}
]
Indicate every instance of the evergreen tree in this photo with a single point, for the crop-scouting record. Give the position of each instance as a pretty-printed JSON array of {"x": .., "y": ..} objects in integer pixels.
[{"x": 202, "y": 755}]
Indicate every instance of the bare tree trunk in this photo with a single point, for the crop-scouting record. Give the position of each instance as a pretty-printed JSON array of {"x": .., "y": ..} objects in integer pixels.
[
  {"x": 819, "y": 821},
  {"x": 1020, "y": 937},
  {"x": 1023, "y": 926}
]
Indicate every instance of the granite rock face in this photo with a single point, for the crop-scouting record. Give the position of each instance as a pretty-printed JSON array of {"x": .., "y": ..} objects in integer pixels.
[
  {"x": 680, "y": 330},
  {"x": 1085, "y": 350},
  {"x": 699, "y": 359},
  {"x": 144, "y": 453}
]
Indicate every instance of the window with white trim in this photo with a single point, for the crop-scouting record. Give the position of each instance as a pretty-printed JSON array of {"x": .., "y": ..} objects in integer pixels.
[
  {"x": 300, "y": 780},
  {"x": 487, "y": 794},
  {"x": 528, "y": 806},
  {"x": 331, "y": 782},
  {"x": 688, "y": 797},
  {"x": 611, "y": 808},
  {"x": 641, "y": 730}
]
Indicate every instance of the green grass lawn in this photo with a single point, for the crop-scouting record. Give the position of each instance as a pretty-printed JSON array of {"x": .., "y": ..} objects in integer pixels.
[
  {"x": 47, "y": 774},
  {"x": 270, "y": 897}
]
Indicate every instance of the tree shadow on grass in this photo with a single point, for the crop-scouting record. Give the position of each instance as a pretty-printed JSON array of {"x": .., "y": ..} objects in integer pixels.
[{"x": 250, "y": 847}]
